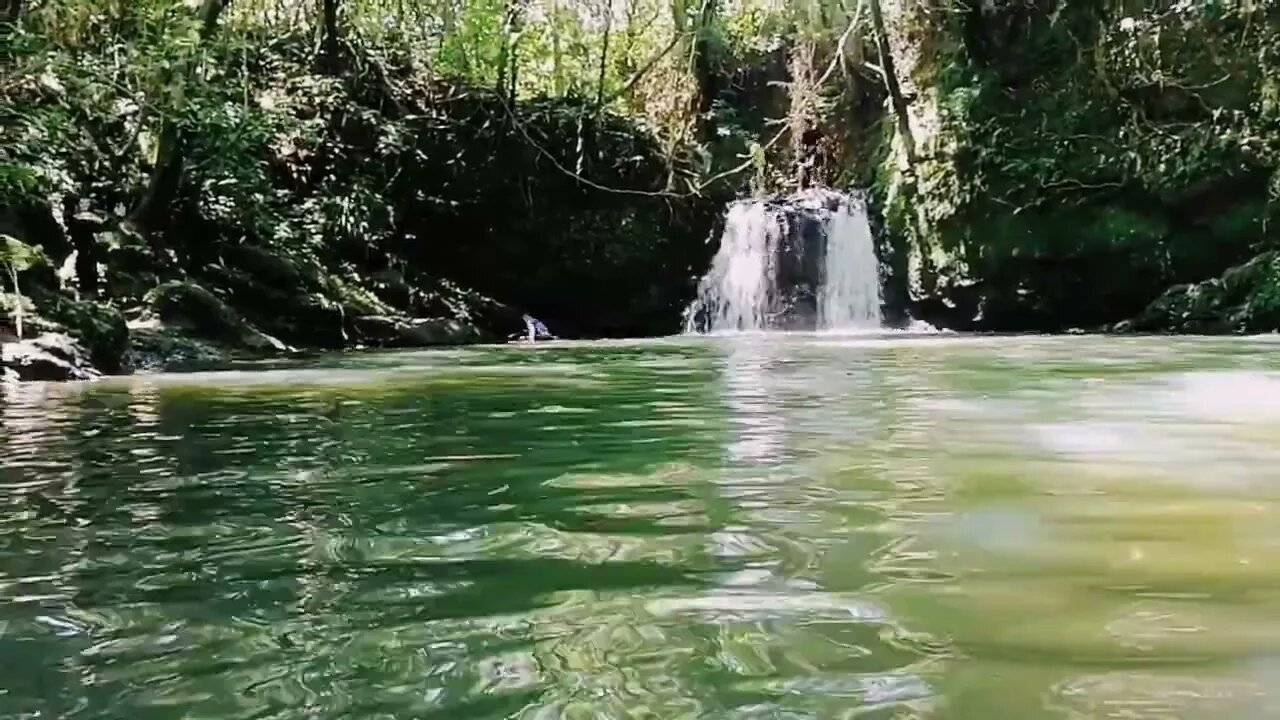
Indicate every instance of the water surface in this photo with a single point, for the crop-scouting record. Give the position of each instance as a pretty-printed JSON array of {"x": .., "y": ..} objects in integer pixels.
[{"x": 797, "y": 526}]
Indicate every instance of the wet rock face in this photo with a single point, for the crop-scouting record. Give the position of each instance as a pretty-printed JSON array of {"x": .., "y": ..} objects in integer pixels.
[
  {"x": 51, "y": 357},
  {"x": 801, "y": 255}
]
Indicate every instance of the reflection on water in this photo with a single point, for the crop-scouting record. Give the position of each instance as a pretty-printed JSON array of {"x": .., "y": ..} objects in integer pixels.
[{"x": 791, "y": 527}]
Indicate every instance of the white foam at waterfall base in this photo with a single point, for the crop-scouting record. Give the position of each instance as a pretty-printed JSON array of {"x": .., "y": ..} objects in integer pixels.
[{"x": 739, "y": 291}]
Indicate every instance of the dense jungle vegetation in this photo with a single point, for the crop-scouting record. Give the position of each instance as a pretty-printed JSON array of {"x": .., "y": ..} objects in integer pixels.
[{"x": 181, "y": 178}]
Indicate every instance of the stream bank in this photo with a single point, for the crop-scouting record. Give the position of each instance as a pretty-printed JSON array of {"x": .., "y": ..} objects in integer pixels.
[{"x": 339, "y": 210}]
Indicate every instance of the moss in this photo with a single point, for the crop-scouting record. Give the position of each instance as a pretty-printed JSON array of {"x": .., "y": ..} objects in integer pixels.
[
  {"x": 1086, "y": 162},
  {"x": 100, "y": 327},
  {"x": 1246, "y": 298},
  {"x": 154, "y": 347},
  {"x": 192, "y": 306}
]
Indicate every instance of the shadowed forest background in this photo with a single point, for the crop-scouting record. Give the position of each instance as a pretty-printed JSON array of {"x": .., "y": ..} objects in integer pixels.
[{"x": 179, "y": 179}]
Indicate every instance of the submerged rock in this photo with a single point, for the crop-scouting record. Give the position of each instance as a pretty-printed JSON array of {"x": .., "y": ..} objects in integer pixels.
[{"x": 49, "y": 357}]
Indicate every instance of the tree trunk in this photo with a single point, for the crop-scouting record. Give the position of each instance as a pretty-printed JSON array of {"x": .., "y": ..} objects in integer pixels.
[
  {"x": 557, "y": 54},
  {"x": 84, "y": 241},
  {"x": 802, "y": 117},
  {"x": 329, "y": 37},
  {"x": 910, "y": 190},
  {"x": 12, "y": 10},
  {"x": 704, "y": 70},
  {"x": 151, "y": 211},
  {"x": 891, "y": 83},
  {"x": 17, "y": 304},
  {"x": 604, "y": 51},
  {"x": 508, "y": 57}
]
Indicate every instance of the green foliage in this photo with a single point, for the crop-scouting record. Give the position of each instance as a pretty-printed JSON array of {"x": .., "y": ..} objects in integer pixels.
[
  {"x": 1082, "y": 150},
  {"x": 19, "y": 183},
  {"x": 408, "y": 156},
  {"x": 16, "y": 255}
]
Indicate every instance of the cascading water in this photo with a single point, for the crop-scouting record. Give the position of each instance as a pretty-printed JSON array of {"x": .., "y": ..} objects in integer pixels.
[
  {"x": 807, "y": 262},
  {"x": 739, "y": 291},
  {"x": 849, "y": 297}
]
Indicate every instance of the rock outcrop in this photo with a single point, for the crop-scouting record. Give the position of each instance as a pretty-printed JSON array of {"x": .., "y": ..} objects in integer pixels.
[
  {"x": 1246, "y": 298},
  {"x": 48, "y": 357},
  {"x": 192, "y": 307}
]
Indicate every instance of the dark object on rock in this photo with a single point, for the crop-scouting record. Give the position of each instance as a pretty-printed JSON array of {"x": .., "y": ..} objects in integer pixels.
[
  {"x": 50, "y": 357},
  {"x": 83, "y": 230}
]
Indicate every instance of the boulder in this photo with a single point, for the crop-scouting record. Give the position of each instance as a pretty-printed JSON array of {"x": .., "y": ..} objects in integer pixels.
[
  {"x": 423, "y": 332},
  {"x": 190, "y": 306},
  {"x": 131, "y": 266},
  {"x": 36, "y": 223},
  {"x": 288, "y": 312},
  {"x": 50, "y": 357},
  {"x": 1246, "y": 298},
  {"x": 155, "y": 347},
  {"x": 376, "y": 330},
  {"x": 392, "y": 331},
  {"x": 268, "y": 267},
  {"x": 100, "y": 327}
]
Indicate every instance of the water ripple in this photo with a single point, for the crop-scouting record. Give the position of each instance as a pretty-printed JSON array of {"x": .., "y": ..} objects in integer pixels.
[{"x": 748, "y": 527}]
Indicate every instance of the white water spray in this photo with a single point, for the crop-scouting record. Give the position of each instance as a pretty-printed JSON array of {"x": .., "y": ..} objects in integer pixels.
[
  {"x": 849, "y": 297},
  {"x": 765, "y": 271},
  {"x": 739, "y": 290}
]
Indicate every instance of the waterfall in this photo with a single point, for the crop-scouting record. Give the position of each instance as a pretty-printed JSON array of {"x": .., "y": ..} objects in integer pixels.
[
  {"x": 850, "y": 292},
  {"x": 738, "y": 292},
  {"x": 806, "y": 262}
]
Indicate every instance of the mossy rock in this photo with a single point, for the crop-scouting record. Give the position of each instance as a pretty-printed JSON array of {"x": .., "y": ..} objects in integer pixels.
[
  {"x": 309, "y": 319},
  {"x": 290, "y": 312},
  {"x": 132, "y": 270},
  {"x": 1245, "y": 299},
  {"x": 100, "y": 327},
  {"x": 194, "y": 308},
  {"x": 269, "y": 267},
  {"x": 155, "y": 347},
  {"x": 191, "y": 305}
]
